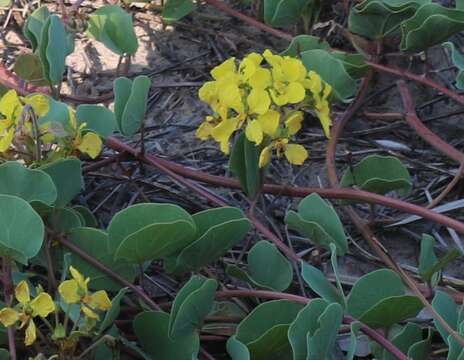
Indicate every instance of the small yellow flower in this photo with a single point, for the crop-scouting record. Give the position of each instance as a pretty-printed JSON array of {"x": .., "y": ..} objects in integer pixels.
[
  {"x": 89, "y": 143},
  {"x": 76, "y": 291},
  {"x": 42, "y": 305},
  {"x": 294, "y": 153},
  {"x": 293, "y": 122}
]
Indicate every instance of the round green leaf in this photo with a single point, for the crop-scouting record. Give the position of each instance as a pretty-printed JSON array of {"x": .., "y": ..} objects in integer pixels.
[
  {"x": 97, "y": 119},
  {"x": 30, "y": 185},
  {"x": 21, "y": 229},
  {"x": 29, "y": 67},
  {"x": 64, "y": 220},
  {"x": 89, "y": 218},
  {"x": 151, "y": 329}
]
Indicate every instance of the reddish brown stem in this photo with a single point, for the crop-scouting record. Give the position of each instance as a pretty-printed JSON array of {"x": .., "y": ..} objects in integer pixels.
[
  {"x": 418, "y": 78},
  {"x": 373, "y": 334}
]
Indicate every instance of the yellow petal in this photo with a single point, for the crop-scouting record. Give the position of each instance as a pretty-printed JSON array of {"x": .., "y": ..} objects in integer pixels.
[
  {"x": 69, "y": 291},
  {"x": 254, "y": 132},
  {"x": 7, "y": 139},
  {"x": 273, "y": 60},
  {"x": 22, "y": 293},
  {"x": 224, "y": 69},
  {"x": 40, "y": 103},
  {"x": 295, "y": 92},
  {"x": 10, "y": 105},
  {"x": 293, "y": 122},
  {"x": 293, "y": 69},
  {"x": 258, "y": 101},
  {"x": 8, "y": 316},
  {"x": 265, "y": 156},
  {"x": 91, "y": 145},
  {"x": 222, "y": 133},
  {"x": 269, "y": 122},
  {"x": 277, "y": 98},
  {"x": 204, "y": 130},
  {"x": 296, "y": 154},
  {"x": 208, "y": 92},
  {"x": 31, "y": 334},
  {"x": 254, "y": 57},
  {"x": 260, "y": 79},
  {"x": 327, "y": 91},
  {"x": 100, "y": 300},
  {"x": 42, "y": 305},
  {"x": 90, "y": 313},
  {"x": 315, "y": 82},
  {"x": 229, "y": 95}
]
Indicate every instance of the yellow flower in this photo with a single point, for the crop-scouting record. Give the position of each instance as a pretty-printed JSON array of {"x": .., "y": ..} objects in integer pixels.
[
  {"x": 295, "y": 154},
  {"x": 76, "y": 291},
  {"x": 42, "y": 305},
  {"x": 11, "y": 108},
  {"x": 293, "y": 122},
  {"x": 89, "y": 143},
  {"x": 266, "y": 124},
  {"x": 224, "y": 70},
  {"x": 222, "y": 133},
  {"x": 258, "y": 101}
]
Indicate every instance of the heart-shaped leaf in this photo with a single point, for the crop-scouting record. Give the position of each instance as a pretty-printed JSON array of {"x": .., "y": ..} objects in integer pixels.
[
  {"x": 174, "y": 10},
  {"x": 67, "y": 177},
  {"x": 112, "y": 26},
  {"x": 317, "y": 220},
  {"x": 218, "y": 230},
  {"x": 267, "y": 325},
  {"x": 191, "y": 305},
  {"x": 95, "y": 242},
  {"x": 30, "y": 185},
  {"x": 21, "y": 229},
  {"x": 378, "y": 18},
  {"x": 373, "y": 288},
  {"x": 151, "y": 329},
  {"x": 379, "y": 174},
  {"x": 244, "y": 162},
  {"x": 267, "y": 268},
  {"x": 431, "y": 25},
  {"x": 318, "y": 282},
  {"x": 97, "y": 119},
  {"x": 53, "y": 48},
  {"x": 392, "y": 310},
  {"x": 130, "y": 103}
]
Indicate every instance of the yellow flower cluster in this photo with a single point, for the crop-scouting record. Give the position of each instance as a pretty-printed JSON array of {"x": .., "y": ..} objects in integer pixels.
[
  {"x": 74, "y": 291},
  {"x": 14, "y": 123},
  {"x": 265, "y": 94}
]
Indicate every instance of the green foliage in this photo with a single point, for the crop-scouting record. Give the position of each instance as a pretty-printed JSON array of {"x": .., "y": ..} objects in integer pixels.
[
  {"x": 130, "y": 103},
  {"x": 244, "y": 165},
  {"x": 29, "y": 67},
  {"x": 263, "y": 333},
  {"x": 284, "y": 12},
  {"x": 112, "y": 26},
  {"x": 317, "y": 281},
  {"x": 175, "y": 10},
  {"x": 34, "y": 25},
  {"x": 267, "y": 268},
  {"x": 379, "y": 174},
  {"x": 97, "y": 118},
  {"x": 317, "y": 220},
  {"x": 303, "y": 43},
  {"x": 458, "y": 60},
  {"x": 21, "y": 229},
  {"x": 191, "y": 305},
  {"x": 151, "y": 329}
]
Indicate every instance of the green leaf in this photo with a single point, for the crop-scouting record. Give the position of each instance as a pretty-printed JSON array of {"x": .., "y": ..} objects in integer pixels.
[
  {"x": 64, "y": 220},
  {"x": 151, "y": 329},
  {"x": 136, "y": 217},
  {"x": 407, "y": 337},
  {"x": 373, "y": 288},
  {"x": 447, "y": 308},
  {"x": 112, "y": 26},
  {"x": 458, "y": 60},
  {"x": 58, "y": 113},
  {"x": 191, "y": 305},
  {"x": 130, "y": 103},
  {"x": 333, "y": 261},
  {"x": 379, "y": 174},
  {"x": 431, "y": 25},
  {"x": 175, "y": 10},
  {"x": 376, "y": 19},
  {"x": 421, "y": 349},
  {"x": 53, "y": 48},
  {"x": 34, "y": 25},
  {"x": 442, "y": 262},
  {"x": 29, "y": 67},
  {"x": 67, "y": 177},
  {"x": 95, "y": 242},
  {"x": 21, "y": 229},
  {"x": 392, "y": 310},
  {"x": 284, "y": 12},
  {"x": 4, "y": 354},
  {"x": 332, "y": 70},
  {"x": 97, "y": 118},
  {"x": 244, "y": 164},
  {"x": 427, "y": 257},
  {"x": 218, "y": 231},
  {"x": 262, "y": 329},
  {"x": 355, "y": 326},
  {"x": 113, "y": 313},
  {"x": 317, "y": 281},
  {"x": 89, "y": 218},
  {"x": 268, "y": 268},
  {"x": 302, "y": 43},
  {"x": 317, "y": 220},
  {"x": 30, "y": 185}
]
